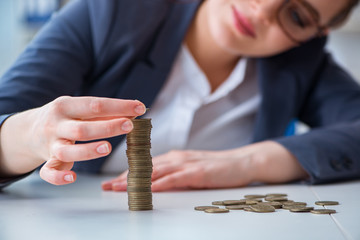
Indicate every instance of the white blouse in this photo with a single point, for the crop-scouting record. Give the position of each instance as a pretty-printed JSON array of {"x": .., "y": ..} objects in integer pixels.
[{"x": 186, "y": 115}]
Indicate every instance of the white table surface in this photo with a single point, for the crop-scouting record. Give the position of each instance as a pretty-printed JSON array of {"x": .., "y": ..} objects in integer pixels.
[{"x": 34, "y": 209}]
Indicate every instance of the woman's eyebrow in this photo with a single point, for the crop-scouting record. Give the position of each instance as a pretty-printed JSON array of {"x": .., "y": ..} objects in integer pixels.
[{"x": 314, "y": 12}]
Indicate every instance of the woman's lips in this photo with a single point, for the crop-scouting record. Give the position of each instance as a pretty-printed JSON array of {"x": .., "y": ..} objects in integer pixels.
[{"x": 242, "y": 24}]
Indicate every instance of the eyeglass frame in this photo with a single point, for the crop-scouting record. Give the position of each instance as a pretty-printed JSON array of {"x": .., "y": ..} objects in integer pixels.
[{"x": 315, "y": 17}]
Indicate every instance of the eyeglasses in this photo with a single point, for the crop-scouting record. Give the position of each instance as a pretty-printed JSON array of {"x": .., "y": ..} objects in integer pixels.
[{"x": 299, "y": 20}]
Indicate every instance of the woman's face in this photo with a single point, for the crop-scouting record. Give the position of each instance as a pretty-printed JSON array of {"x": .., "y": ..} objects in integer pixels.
[{"x": 251, "y": 27}]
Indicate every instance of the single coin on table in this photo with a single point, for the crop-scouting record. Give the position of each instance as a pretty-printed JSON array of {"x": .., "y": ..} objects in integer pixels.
[
  {"x": 236, "y": 207},
  {"x": 276, "y": 199},
  {"x": 221, "y": 203},
  {"x": 203, "y": 208},
  {"x": 233, "y": 202},
  {"x": 276, "y": 195},
  {"x": 326, "y": 203},
  {"x": 216, "y": 210},
  {"x": 299, "y": 209},
  {"x": 323, "y": 211},
  {"x": 252, "y": 196}
]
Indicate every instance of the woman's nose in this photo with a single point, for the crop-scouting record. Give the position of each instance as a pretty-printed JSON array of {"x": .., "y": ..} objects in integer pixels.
[{"x": 266, "y": 10}]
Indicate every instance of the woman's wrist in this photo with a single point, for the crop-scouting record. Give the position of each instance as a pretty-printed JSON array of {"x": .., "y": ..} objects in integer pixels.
[
  {"x": 273, "y": 163},
  {"x": 15, "y": 156}
]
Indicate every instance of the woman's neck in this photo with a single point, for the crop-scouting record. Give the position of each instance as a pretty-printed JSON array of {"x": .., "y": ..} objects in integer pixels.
[{"x": 215, "y": 62}]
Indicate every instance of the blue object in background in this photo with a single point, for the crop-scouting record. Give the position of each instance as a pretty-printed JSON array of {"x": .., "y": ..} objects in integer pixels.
[
  {"x": 37, "y": 12},
  {"x": 291, "y": 128}
]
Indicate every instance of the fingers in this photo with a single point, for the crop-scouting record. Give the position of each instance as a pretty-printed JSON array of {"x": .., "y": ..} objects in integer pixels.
[
  {"x": 164, "y": 169},
  {"x": 92, "y": 107},
  {"x": 80, "y": 152},
  {"x": 91, "y": 130},
  {"x": 116, "y": 184},
  {"x": 57, "y": 172},
  {"x": 176, "y": 180}
]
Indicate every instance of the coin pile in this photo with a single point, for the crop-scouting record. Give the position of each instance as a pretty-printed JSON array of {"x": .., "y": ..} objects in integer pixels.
[
  {"x": 140, "y": 166},
  {"x": 265, "y": 204}
]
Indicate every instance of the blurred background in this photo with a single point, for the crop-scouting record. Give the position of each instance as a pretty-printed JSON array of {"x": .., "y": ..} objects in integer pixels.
[{"x": 21, "y": 19}]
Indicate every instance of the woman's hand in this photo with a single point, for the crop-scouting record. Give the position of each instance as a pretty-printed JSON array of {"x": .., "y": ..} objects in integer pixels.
[
  {"x": 48, "y": 134},
  {"x": 267, "y": 162}
]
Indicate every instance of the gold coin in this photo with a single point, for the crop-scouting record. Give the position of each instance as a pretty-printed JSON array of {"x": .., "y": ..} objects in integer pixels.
[
  {"x": 203, "y": 208},
  {"x": 276, "y": 195},
  {"x": 301, "y": 209},
  {"x": 252, "y": 201},
  {"x": 216, "y": 210},
  {"x": 138, "y": 189},
  {"x": 248, "y": 209},
  {"x": 233, "y": 202},
  {"x": 221, "y": 203},
  {"x": 236, "y": 207},
  {"x": 323, "y": 211},
  {"x": 276, "y": 205},
  {"x": 251, "y": 196},
  {"x": 276, "y": 199},
  {"x": 262, "y": 208},
  {"x": 326, "y": 203},
  {"x": 294, "y": 203},
  {"x": 140, "y": 208}
]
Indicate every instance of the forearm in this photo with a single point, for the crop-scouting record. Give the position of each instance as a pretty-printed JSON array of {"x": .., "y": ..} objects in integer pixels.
[
  {"x": 268, "y": 162},
  {"x": 16, "y": 157},
  {"x": 275, "y": 164}
]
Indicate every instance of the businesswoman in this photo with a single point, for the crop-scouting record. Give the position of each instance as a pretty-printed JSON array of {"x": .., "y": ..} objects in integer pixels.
[{"x": 223, "y": 80}]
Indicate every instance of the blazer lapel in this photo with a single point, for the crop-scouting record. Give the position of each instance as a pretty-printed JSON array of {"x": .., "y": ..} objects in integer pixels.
[{"x": 148, "y": 76}]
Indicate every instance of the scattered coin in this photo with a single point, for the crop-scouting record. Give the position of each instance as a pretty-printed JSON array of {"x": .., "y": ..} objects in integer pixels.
[
  {"x": 216, "y": 210},
  {"x": 248, "y": 209},
  {"x": 233, "y": 202},
  {"x": 301, "y": 209},
  {"x": 203, "y": 208},
  {"x": 276, "y": 199},
  {"x": 323, "y": 211},
  {"x": 327, "y": 203},
  {"x": 236, "y": 207},
  {"x": 262, "y": 208},
  {"x": 252, "y": 201},
  {"x": 276, "y": 205},
  {"x": 276, "y": 195},
  {"x": 255, "y": 203},
  {"x": 221, "y": 203},
  {"x": 251, "y": 196},
  {"x": 291, "y": 205},
  {"x": 294, "y": 203}
]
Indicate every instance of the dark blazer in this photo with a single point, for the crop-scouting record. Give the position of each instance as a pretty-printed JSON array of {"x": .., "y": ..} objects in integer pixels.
[{"x": 125, "y": 49}]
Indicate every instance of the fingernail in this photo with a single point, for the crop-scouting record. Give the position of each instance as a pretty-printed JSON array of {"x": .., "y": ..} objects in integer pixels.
[
  {"x": 106, "y": 186},
  {"x": 104, "y": 148},
  {"x": 127, "y": 126},
  {"x": 140, "y": 109},
  {"x": 69, "y": 178}
]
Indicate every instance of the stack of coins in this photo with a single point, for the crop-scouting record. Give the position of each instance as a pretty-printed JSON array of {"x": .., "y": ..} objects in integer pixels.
[{"x": 140, "y": 166}]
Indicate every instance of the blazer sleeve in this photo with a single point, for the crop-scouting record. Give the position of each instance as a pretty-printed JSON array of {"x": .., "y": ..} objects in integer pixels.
[
  {"x": 331, "y": 150},
  {"x": 55, "y": 63}
]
